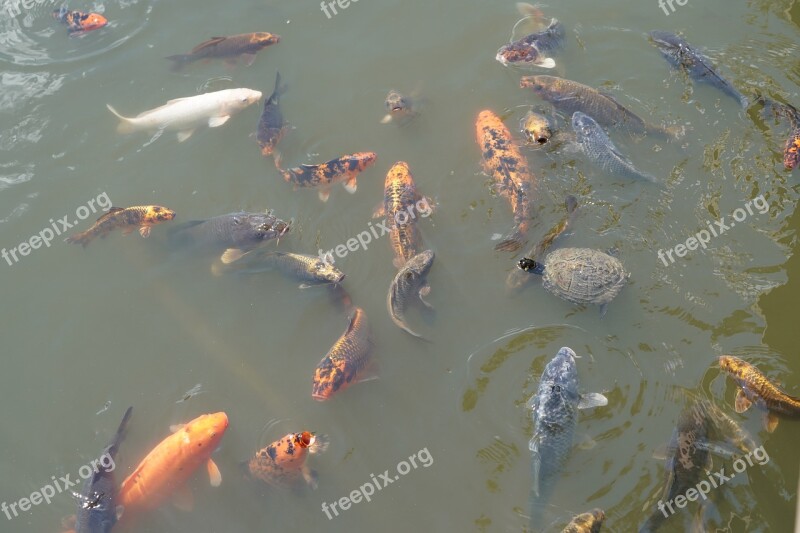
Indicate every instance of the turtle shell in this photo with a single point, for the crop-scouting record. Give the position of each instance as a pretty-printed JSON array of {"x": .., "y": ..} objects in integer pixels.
[{"x": 584, "y": 275}]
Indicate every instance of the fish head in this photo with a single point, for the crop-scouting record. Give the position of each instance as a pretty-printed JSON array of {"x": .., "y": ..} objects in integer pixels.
[
  {"x": 363, "y": 160},
  {"x": 241, "y": 98},
  {"x": 583, "y": 124},
  {"x": 536, "y": 128},
  {"x": 325, "y": 270},
  {"x": 257, "y": 227},
  {"x": 263, "y": 38},
  {"x": 206, "y": 431},
  {"x": 421, "y": 263},
  {"x": 541, "y": 85},
  {"x": 397, "y": 104},
  {"x": 733, "y": 365},
  {"x": 518, "y": 52},
  {"x": 156, "y": 214},
  {"x": 399, "y": 174},
  {"x": 558, "y": 388}
]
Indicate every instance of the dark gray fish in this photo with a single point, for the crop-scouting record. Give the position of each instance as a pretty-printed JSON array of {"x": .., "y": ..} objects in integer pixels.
[
  {"x": 682, "y": 55},
  {"x": 530, "y": 49},
  {"x": 600, "y": 150},
  {"x": 271, "y": 125},
  {"x": 237, "y": 233},
  {"x": 409, "y": 282},
  {"x": 555, "y": 413},
  {"x": 306, "y": 268},
  {"x": 687, "y": 461},
  {"x": 97, "y": 502}
]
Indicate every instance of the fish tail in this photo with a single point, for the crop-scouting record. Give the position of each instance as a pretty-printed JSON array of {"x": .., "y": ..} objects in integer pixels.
[
  {"x": 178, "y": 61},
  {"x": 125, "y": 125},
  {"x": 83, "y": 238},
  {"x": 278, "y": 90},
  {"x": 512, "y": 242},
  {"x": 113, "y": 446}
]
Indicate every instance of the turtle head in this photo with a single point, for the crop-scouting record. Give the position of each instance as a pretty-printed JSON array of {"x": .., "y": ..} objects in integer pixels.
[{"x": 531, "y": 266}]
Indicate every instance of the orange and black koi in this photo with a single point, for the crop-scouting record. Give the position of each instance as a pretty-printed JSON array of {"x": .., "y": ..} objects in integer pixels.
[
  {"x": 342, "y": 169},
  {"x": 399, "y": 197},
  {"x": 78, "y": 21},
  {"x": 349, "y": 361},
  {"x": 127, "y": 219},
  {"x": 513, "y": 179},
  {"x": 283, "y": 463}
]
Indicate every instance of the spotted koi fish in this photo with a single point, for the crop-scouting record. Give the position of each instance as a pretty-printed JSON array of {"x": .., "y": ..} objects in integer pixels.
[
  {"x": 271, "y": 125},
  {"x": 590, "y": 522},
  {"x": 754, "y": 387},
  {"x": 513, "y": 179},
  {"x": 400, "y": 200},
  {"x": 128, "y": 218},
  {"x": 348, "y": 361},
  {"x": 342, "y": 169},
  {"x": 282, "y": 464},
  {"x": 245, "y": 45},
  {"x": 79, "y": 22}
]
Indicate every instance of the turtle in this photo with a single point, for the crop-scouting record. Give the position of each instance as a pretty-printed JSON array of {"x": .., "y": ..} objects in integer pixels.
[{"x": 580, "y": 275}]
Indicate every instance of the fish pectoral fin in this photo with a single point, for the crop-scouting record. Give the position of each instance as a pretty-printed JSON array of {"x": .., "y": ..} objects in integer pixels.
[
  {"x": 183, "y": 499},
  {"x": 424, "y": 292},
  {"x": 592, "y": 399},
  {"x": 310, "y": 477},
  {"x": 379, "y": 211},
  {"x": 230, "y": 255},
  {"x": 351, "y": 185},
  {"x": 324, "y": 194},
  {"x": 119, "y": 510},
  {"x": 770, "y": 421},
  {"x": 68, "y": 522},
  {"x": 386, "y": 119},
  {"x": 214, "y": 475},
  {"x": 741, "y": 403},
  {"x": 546, "y": 62},
  {"x": 215, "y": 122},
  {"x": 144, "y": 231},
  {"x": 536, "y": 464},
  {"x": 248, "y": 59},
  {"x": 532, "y": 403},
  {"x": 185, "y": 134},
  {"x": 587, "y": 443}
]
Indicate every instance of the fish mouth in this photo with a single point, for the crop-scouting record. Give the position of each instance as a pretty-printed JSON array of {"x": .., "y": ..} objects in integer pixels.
[{"x": 541, "y": 139}]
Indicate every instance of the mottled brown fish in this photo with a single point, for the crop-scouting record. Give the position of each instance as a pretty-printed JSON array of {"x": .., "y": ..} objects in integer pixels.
[
  {"x": 271, "y": 125},
  {"x": 410, "y": 282},
  {"x": 310, "y": 269},
  {"x": 399, "y": 108},
  {"x": 537, "y": 129},
  {"x": 245, "y": 45},
  {"x": 349, "y": 361},
  {"x": 513, "y": 179},
  {"x": 283, "y": 463},
  {"x": 127, "y": 219},
  {"x": 342, "y": 169},
  {"x": 401, "y": 205},
  {"x": 590, "y": 522},
  {"x": 570, "y": 96},
  {"x": 519, "y": 278},
  {"x": 791, "y": 152},
  {"x": 755, "y": 388}
]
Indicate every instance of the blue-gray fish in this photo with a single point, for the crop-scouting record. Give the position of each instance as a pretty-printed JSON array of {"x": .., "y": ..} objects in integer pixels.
[
  {"x": 97, "y": 503},
  {"x": 688, "y": 459},
  {"x": 555, "y": 413},
  {"x": 410, "y": 282},
  {"x": 237, "y": 233},
  {"x": 682, "y": 55},
  {"x": 600, "y": 150}
]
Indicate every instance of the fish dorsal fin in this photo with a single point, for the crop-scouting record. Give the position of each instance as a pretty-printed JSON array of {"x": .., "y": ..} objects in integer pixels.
[
  {"x": 173, "y": 101},
  {"x": 308, "y": 167},
  {"x": 351, "y": 322},
  {"x": 214, "y": 475},
  {"x": 770, "y": 421},
  {"x": 205, "y": 44},
  {"x": 742, "y": 403},
  {"x": 592, "y": 399},
  {"x": 110, "y": 212}
]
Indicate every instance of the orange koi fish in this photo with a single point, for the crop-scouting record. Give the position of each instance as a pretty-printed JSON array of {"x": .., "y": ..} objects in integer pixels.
[
  {"x": 167, "y": 468},
  {"x": 283, "y": 463},
  {"x": 513, "y": 179},
  {"x": 342, "y": 169},
  {"x": 79, "y": 22},
  {"x": 348, "y": 362},
  {"x": 755, "y": 387},
  {"x": 128, "y": 218}
]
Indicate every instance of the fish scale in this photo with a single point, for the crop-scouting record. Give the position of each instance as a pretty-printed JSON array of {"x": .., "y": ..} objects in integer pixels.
[{"x": 347, "y": 359}]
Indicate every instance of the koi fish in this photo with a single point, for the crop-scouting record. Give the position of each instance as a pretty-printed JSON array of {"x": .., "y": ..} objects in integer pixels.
[
  {"x": 79, "y": 22},
  {"x": 97, "y": 503},
  {"x": 400, "y": 199},
  {"x": 410, "y": 282},
  {"x": 283, "y": 463},
  {"x": 167, "y": 468},
  {"x": 310, "y": 269},
  {"x": 186, "y": 114},
  {"x": 513, "y": 179},
  {"x": 590, "y": 522},
  {"x": 755, "y": 388},
  {"x": 348, "y": 361},
  {"x": 271, "y": 125},
  {"x": 536, "y": 128},
  {"x": 128, "y": 218},
  {"x": 342, "y": 169},
  {"x": 245, "y": 45},
  {"x": 530, "y": 49},
  {"x": 399, "y": 108}
]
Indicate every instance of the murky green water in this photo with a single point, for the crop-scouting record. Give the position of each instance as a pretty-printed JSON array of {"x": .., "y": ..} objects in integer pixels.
[{"x": 129, "y": 321}]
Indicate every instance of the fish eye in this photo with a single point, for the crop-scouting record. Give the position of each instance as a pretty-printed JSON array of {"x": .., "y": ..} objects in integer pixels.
[{"x": 556, "y": 388}]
